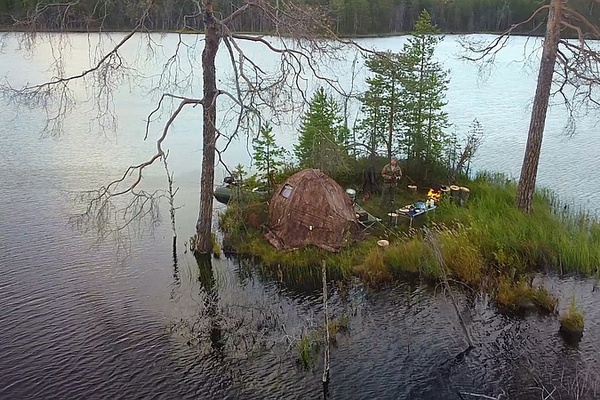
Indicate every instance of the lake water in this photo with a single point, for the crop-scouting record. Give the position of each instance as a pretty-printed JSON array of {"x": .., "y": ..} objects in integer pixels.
[{"x": 80, "y": 319}]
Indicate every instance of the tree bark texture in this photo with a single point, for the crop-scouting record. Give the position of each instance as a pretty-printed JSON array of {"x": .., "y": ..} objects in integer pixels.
[
  {"x": 211, "y": 45},
  {"x": 533, "y": 148}
]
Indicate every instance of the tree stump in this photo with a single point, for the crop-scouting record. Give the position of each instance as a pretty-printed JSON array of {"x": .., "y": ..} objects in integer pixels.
[
  {"x": 455, "y": 193},
  {"x": 464, "y": 194}
]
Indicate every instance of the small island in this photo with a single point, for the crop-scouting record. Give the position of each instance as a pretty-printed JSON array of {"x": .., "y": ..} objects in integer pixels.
[{"x": 476, "y": 239}]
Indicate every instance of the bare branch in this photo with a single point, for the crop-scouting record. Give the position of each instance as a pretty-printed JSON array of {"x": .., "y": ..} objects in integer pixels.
[
  {"x": 576, "y": 29},
  {"x": 500, "y": 41},
  {"x": 236, "y": 14},
  {"x": 60, "y": 81},
  {"x": 584, "y": 20}
]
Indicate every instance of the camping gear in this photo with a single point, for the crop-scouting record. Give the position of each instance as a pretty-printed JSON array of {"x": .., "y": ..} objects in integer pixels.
[
  {"x": 352, "y": 194},
  {"x": 364, "y": 218},
  {"x": 369, "y": 181},
  {"x": 412, "y": 211},
  {"x": 310, "y": 208},
  {"x": 223, "y": 194},
  {"x": 393, "y": 219}
]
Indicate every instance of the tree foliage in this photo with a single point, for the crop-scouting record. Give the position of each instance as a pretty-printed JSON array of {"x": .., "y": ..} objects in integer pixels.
[
  {"x": 267, "y": 155},
  {"x": 459, "y": 154},
  {"x": 322, "y": 141},
  {"x": 425, "y": 83},
  {"x": 381, "y": 102},
  {"x": 350, "y": 17},
  {"x": 403, "y": 104}
]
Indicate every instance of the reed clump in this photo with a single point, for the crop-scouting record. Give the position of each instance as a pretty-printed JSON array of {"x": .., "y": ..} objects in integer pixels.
[
  {"x": 216, "y": 250},
  {"x": 307, "y": 348},
  {"x": 462, "y": 258},
  {"x": 516, "y": 296},
  {"x": 373, "y": 269},
  {"x": 551, "y": 237},
  {"x": 572, "y": 323},
  {"x": 312, "y": 340},
  {"x": 412, "y": 258}
]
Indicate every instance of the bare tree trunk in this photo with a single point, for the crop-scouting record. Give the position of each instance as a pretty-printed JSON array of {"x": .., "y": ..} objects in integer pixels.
[
  {"x": 211, "y": 45},
  {"x": 533, "y": 148},
  {"x": 391, "y": 121}
]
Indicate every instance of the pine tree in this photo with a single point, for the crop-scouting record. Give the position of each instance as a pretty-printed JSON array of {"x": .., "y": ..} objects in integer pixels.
[
  {"x": 381, "y": 103},
  {"x": 323, "y": 138},
  {"x": 425, "y": 83}
]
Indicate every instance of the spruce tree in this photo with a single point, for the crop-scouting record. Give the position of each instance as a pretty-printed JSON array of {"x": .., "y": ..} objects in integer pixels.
[
  {"x": 323, "y": 137},
  {"x": 267, "y": 155}
]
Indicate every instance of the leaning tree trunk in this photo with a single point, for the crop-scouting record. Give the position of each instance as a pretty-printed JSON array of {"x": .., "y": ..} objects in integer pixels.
[
  {"x": 211, "y": 45},
  {"x": 533, "y": 148}
]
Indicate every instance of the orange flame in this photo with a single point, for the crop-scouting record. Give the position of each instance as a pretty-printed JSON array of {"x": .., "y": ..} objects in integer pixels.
[{"x": 432, "y": 194}]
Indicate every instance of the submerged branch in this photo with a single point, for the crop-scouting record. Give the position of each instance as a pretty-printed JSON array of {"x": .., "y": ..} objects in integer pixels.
[{"x": 429, "y": 236}]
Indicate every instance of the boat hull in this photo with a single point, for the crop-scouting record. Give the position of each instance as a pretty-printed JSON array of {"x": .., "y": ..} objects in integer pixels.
[{"x": 222, "y": 194}]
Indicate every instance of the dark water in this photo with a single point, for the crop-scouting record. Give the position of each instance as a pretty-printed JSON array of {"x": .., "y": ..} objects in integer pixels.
[
  {"x": 87, "y": 320},
  {"x": 82, "y": 322}
]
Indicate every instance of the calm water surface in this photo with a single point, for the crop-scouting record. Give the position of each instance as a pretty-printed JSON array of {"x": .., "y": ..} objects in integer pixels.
[{"x": 79, "y": 319}]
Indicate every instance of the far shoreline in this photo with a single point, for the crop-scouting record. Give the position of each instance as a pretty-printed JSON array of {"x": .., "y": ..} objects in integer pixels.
[{"x": 9, "y": 29}]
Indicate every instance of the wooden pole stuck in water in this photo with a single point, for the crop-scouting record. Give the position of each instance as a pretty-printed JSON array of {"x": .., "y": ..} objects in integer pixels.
[
  {"x": 438, "y": 255},
  {"x": 325, "y": 377},
  {"x": 171, "y": 208}
]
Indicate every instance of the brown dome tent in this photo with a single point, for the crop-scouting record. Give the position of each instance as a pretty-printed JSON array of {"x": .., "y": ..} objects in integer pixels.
[{"x": 310, "y": 208}]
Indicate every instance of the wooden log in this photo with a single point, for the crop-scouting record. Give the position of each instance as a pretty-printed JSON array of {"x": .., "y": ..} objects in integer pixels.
[
  {"x": 464, "y": 194},
  {"x": 455, "y": 192}
]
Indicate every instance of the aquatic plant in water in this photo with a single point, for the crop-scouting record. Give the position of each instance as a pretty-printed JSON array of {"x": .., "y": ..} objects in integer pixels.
[{"x": 571, "y": 323}]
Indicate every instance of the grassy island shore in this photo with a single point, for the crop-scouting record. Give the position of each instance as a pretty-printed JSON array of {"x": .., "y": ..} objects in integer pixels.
[{"x": 486, "y": 244}]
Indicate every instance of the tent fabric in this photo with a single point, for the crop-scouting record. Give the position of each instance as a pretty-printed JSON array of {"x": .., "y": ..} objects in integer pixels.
[{"x": 310, "y": 208}]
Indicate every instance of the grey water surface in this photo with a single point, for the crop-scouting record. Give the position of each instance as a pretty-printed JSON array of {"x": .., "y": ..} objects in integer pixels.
[{"x": 83, "y": 319}]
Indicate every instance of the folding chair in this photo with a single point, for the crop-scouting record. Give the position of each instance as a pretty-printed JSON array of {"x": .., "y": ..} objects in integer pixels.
[{"x": 370, "y": 220}]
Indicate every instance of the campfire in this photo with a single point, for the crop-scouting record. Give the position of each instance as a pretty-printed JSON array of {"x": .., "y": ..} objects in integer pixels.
[{"x": 434, "y": 194}]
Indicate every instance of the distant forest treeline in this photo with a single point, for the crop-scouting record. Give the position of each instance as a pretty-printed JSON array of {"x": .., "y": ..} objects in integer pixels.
[{"x": 348, "y": 17}]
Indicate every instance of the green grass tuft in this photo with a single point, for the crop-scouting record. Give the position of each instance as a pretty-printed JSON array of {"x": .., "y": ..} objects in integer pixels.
[
  {"x": 520, "y": 295},
  {"x": 571, "y": 323},
  {"x": 216, "y": 250}
]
